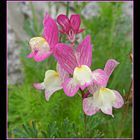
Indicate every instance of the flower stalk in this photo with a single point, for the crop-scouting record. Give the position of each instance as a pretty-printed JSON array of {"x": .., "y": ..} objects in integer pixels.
[
  {"x": 85, "y": 116},
  {"x": 68, "y": 7}
]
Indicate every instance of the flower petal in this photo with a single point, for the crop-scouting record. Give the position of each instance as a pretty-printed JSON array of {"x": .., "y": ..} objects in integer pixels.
[
  {"x": 40, "y": 56},
  {"x": 93, "y": 88},
  {"x": 83, "y": 76},
  {"x": 80, "y": 30},
  {"x": 71, "y": 36},
  {"x": 30, "y": 55},
  {"x": 62, "y": 32},
  {"x": 40, "y": 49},
  {"x": 107, "y": 109},
  {"x": 75, "y": 22},
  {"x": 50, "y": 31},
  {"x": 84, "y": 51},
  {"x": 107, "y": 98},
  {"x": 39, "y": 86},
  {"x": 119, "y": 100},
  {"x": 38, "y": 43},
  {"x": 65, "y": 57},
  {"x": 62, "y": 73},
  {"x": 70, "y": 87},
  {"x": 64, "y": 22},
  {"x": 50, "y": 91},
  {"x": 89, "y": 106},
  {"x": 110, "y": 66},
  {"x": 100, "y": 77},
  {"x": 52, "y": 83}
]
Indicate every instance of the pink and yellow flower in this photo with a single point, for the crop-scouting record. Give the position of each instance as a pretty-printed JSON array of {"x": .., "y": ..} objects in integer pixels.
[
  {"x": 76, "y": 62},
  {"x": 52, "y": 82},
  {"x": 42, "y": 47},
  {"x": 103, "y": 98}
]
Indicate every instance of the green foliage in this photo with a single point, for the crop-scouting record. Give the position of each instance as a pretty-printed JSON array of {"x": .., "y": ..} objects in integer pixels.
[{"x": 30, "y": 115}]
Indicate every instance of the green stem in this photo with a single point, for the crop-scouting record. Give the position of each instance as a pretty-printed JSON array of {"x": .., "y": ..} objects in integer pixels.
[
  {"x": 129, "y": 94},
  {"x": 68, "y": 8},
  {"x": 85, "y": 123},
  {"x": 85, "y": 117}
]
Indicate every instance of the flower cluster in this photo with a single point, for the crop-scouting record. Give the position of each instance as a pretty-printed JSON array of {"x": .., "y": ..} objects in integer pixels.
[{"x": 73, "y": 71}]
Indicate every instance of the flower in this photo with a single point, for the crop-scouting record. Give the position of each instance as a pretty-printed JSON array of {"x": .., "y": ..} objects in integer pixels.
[
  {"x": 42, "y": 47},
  {"x": 103, "y": 98},
  {"x": 52, "y": 82},
  {"x": 77, "y": 62},
  {"x": 71, "y": 26}
]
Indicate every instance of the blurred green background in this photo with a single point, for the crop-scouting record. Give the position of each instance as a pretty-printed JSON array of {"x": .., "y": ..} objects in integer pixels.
[{"x": 30, "y": 115}]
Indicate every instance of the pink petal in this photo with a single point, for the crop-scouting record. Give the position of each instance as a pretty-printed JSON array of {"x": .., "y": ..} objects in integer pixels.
[
  {"x": 71, "y": 36},
  {"x": 65, "y": 57},
  {"x": 64, "y": 22},
  {"x": 84, "y": 50},
  {"x": 80, "y": 30},
  {"x": 39, "y": 86},
  {"x": 86, "y": 85},
  {"x": 62, "y": 32},
  {"x": 50, "y": 31},
  {"x": 89, "y": 107},
  {"x": 100, "y": 77},
  {"x": 63, "y": 74},
  {"x": 31, "y": 55},
  {"x": 110, "y": 66},
  {"x": 75, "y": 22},
  {"x": 70, "y": 87},
  {"x": 40, "y": 56},
  {"x": 93, "y": 88},
  {"x": 119, "y": 100}
]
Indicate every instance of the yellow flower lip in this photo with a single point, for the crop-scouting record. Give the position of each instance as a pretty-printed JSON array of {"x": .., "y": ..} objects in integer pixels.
[
  {"x": 37, "y": 39},
  {"x": 37, "y": 42},
  {"x": 103, "y": 89},
  {"x": 57, "y": 74},
  {"x": 80, "y": 68}
]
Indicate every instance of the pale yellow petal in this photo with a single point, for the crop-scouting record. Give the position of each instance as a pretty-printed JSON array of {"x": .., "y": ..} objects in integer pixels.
[
  {"x": 82, "y": 74},
  {"x": 52, "y": 83},
  {"x": 107, "y": 98},
  {"x": 104, "y": 99},
  {"x": 39, "y": 43}
]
